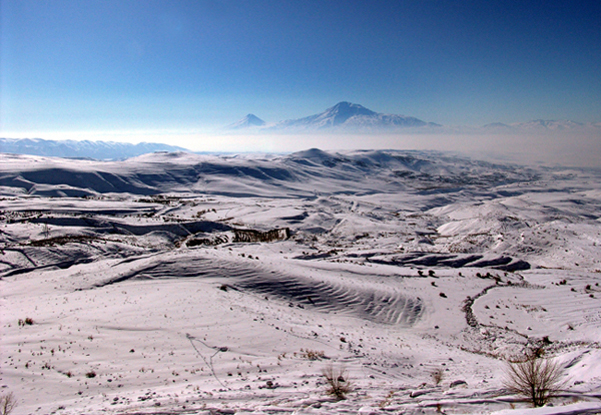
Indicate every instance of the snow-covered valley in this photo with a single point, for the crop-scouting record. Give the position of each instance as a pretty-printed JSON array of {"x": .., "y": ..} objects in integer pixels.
[{"x": 177, "y": 283}]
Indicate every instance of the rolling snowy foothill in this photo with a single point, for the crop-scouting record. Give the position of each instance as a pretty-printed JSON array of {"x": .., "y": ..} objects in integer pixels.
[{"x": 178, "y": 283}]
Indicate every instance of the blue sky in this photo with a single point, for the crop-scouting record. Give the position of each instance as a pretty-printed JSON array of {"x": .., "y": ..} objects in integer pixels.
[{"x": 192, "y": 66}]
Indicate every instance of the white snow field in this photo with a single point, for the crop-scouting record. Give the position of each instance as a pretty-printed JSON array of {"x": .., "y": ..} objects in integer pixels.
[{"x": 175, "y": 283}]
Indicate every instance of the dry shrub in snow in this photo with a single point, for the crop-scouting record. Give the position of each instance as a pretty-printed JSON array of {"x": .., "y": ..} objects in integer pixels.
[
  {"x": 7, "y": 403},
  {"x": 537, "y": 378},
  {"x": 27, "y": 322},
  {"x": 338, "y": 384},
  {"x": 312, "y": 354}
]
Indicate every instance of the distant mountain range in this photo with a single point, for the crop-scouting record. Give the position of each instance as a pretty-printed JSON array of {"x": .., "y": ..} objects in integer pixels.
[
  {"x": 99, "y": 150},
  {"x": 349, "y": 117},
  {"x": 344, "y": 116},
  {"x": 558, "y": 125}
]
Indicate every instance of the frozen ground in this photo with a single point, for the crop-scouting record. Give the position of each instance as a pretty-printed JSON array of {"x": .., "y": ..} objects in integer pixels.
[{"x": 182, "y": 284}]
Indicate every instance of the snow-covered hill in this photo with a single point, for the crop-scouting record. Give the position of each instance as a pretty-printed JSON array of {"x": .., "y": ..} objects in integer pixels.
[
  {"x": 179, "y": 283},
  {"x": 100, "y": 150}
]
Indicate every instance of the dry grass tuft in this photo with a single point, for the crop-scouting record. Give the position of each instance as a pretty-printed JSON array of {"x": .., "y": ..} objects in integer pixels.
[{"x": 338, "y": 384}]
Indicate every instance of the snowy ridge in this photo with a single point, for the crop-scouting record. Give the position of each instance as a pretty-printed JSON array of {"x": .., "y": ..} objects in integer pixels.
[
  {"x": 301, "y": 173},
  {"x": 100, "y": 150}
]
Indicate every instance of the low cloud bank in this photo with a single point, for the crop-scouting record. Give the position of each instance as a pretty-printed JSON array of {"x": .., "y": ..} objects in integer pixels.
[{"x": 581, "y": 149}]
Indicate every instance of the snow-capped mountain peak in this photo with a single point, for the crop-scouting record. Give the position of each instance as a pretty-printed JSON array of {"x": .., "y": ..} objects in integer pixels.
[{"x": 342, "y": 111}]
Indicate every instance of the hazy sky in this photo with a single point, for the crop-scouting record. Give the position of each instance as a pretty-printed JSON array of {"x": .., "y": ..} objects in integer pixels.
[{"x": 190, "y": 66}]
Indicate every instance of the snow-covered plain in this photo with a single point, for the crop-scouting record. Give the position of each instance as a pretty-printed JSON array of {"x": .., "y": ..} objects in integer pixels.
[{"x": 154, "y": 285}]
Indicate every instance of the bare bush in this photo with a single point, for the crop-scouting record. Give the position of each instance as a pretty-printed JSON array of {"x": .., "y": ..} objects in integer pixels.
[
  {"x": 338, "y": 384},
  {"x": 7, "y": 403},
  {"x": 536, "y": 378}
]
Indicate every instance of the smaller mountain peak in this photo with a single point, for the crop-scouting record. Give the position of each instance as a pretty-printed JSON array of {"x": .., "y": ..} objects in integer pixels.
[
  {"x": 254, "y": 120},
  {"x": 250, "y": 120}
]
